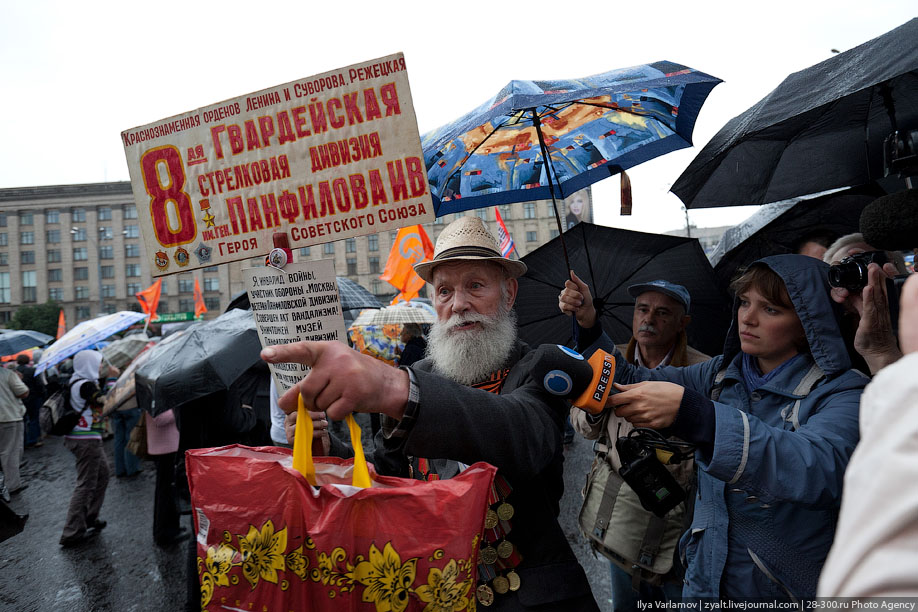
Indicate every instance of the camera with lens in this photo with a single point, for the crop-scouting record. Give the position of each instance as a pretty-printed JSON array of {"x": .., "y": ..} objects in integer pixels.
[
  {"x": 643, "y": 453},
  {"x": 851, "y": 272}
]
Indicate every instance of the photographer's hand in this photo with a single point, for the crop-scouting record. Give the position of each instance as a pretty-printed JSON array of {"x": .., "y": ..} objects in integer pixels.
[
  {"x": 908, "y": 316},
  {"x": 576, "y": 299},
  {"x": 874, "y": 338},
  {"x": 652, "y": 404}
]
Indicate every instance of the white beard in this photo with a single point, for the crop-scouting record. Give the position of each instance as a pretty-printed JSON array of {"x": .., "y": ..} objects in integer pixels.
[{"x": 470, "y": 356}]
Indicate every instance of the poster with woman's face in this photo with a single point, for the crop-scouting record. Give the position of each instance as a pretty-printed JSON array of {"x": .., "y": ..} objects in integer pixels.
[{"x": 579, "y": 208}]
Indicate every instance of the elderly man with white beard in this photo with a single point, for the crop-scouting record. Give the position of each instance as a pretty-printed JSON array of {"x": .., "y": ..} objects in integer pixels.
[{"x": 472, "y": 399}]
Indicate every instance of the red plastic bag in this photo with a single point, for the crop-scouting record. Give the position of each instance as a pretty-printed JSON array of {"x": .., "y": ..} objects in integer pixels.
[{"x": 267, "y": 540}]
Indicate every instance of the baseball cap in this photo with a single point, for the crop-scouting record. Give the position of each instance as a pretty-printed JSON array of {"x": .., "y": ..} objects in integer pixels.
[{"x": 677, "y": 292}]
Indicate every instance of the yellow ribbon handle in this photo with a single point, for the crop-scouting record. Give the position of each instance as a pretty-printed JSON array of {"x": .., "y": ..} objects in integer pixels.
[{"x": 302, "y": 449}]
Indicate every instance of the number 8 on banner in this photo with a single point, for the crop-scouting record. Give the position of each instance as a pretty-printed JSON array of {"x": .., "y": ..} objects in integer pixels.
[{"x": 161, "y": 194}]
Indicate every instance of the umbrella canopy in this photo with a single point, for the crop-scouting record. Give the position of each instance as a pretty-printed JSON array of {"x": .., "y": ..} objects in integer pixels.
[
  {"x": 822, "y": 128},
  {"x": 381, "y": 342},
  {"x": 589, "y": 128},
  {"x": 610, "y": 260},
  {"x": 121, "y": 352},
  {"x": 22, "y": 339},
  {"x": 398, "y": 315},
  {"x": 86, "y": 335},
  {"x": 207, "y": 358},
  {"x": 777, "y": 228},
  {"x": 124, "y": 388}
]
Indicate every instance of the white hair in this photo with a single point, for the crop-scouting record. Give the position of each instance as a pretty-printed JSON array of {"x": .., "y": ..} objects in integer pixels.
[{"x": 838, "y": 250}]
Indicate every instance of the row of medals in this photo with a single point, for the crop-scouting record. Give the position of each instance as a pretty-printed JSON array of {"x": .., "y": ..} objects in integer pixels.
[{"x": 488, "y": 555}]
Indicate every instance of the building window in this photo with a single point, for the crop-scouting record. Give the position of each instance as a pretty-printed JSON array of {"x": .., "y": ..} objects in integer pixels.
[
  {"x": 79, "y": 234},
  {"x": 130, "y": 211},
  {"x": 351, "y": 267},
  {"x": 212, "y": 303},
  {"x": 328, "y": 248},
  {"x": 80, "y": 254},
  {"x": 4, "y": 287},
  {"x": 26, "y": 218},
  {"x": 532, "y": 236},
  {"x": 104, "y": 213},
  {"x": 2, "y": 219},
  {"x": 350, "y": 245},
  {"x": 53, "y": 236},
  {"x": 211, "y": 284},
  {"x": 373, "y": 242},
  {"x": 82, "y": 313},
  {"x": 212, "y": 269},
  {"x": 132, "y": 250},
  {"x": 54, "y": 256},
  {"x": 27, "y": 257},
  {"x": 186, "y": 305},
  {"x": 505, "y": 212},
  {"x": 132, "y": 289},
  {"x": 374, "y": 265},
  {"x": 439, "y": 220},
  {"x": 553, "y": 233},
  {"x": 107, "y": 252},
  {"x": 304, "y": 251},
  {"x": 393, "y": 236},
  {"x": 52, "y": 216},
  {"x": 4, "y": 240},
  {"x": 26, "y": 237},
  {"x": 132, "y": 270},
  {"x": 55, "y": 275},
  {"x": 81, "y": 274},
  {"x": 56, "y": 294},
  {"x": 105, "y": 233},
  {"x": 81, "y": 292},
  {"x": 131, "y": 231},
  {"x": 108, "y": 291},
  {"x": 529, "y": 211},
  {"x": 4, "y": 258},
  {"x": 29, "y": 286},
  {"x": 185, "y": 285},
  {"x": 78, "y": 215},
  {"x": 550, "y": 206},
  {"x": 108, "y": 271},
  {"x": 109, "y": 309},
  {"x": 376, "y": 287},
  {"x": 164, "y": 288},
  {"x": 482, "y": 213}
]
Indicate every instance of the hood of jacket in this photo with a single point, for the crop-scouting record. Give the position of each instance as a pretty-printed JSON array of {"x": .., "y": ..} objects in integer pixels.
[
  {"x": 86, "y": 365},
  {"x": 807, "y": 282}
]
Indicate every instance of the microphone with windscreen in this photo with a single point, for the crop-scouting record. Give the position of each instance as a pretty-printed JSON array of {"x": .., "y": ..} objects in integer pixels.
[
  {"x": 566, "y": 373},
  {"x": 890, "y": 223}
]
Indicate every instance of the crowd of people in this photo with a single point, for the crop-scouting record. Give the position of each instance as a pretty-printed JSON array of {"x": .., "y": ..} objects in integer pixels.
[{"x": 792, "y": 448}]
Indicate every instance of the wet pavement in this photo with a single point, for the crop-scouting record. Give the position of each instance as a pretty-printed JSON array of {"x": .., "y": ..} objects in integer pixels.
[{"x": 122, "y": 570}]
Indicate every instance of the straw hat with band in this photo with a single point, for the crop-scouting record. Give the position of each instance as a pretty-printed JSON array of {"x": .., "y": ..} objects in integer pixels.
[{"x": 467, "y": 239}]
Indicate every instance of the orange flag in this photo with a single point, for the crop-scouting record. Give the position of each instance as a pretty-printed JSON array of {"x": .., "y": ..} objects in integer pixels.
[
  {"x": 61, "y": 324},
  {"x": 411, "y": 246},
  {"x": 149, "y": 299},
  {"x": 199, "y": 307}
]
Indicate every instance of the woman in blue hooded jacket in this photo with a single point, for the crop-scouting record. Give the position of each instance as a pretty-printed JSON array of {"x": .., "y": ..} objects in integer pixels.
[{"x": 773, "y": 444}]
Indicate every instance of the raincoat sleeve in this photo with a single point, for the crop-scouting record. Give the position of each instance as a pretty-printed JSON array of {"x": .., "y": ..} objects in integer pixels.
[
  {"x": 804, "y": 466},
  {"x": 519, "y": 431}
]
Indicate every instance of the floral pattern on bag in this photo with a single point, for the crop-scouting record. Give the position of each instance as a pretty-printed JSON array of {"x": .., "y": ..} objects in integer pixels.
[{"x": 388, "y": 582}]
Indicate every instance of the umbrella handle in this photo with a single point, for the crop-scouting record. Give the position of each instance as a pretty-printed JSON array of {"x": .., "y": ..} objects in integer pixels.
[{"x": 302, "y": 449}]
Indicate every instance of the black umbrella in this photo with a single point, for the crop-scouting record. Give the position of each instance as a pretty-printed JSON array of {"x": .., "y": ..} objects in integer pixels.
[
  {"x": 610, "y": 260},
  {"x": 778, "y": 228},
  {"x": 822, "y": 128},
  {"x": 207, "y": 358},
  {"x": 21, "y": 339},
  {"x": 11, "y": 522},
  {"x": 354, "y": 296}
]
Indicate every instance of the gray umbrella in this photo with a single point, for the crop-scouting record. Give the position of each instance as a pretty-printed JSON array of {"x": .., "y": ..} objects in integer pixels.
[
  {"x": 22, "y": 339},
  {"x": 822, "y": 128}
]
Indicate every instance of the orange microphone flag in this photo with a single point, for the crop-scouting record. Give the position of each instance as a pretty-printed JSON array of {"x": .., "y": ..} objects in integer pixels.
[
  {"x": 411, "y": 246},
  {"x": 61, "y": 324},
  {"x": 149, "y": 298},
  {"x": 199, "y": 307}
]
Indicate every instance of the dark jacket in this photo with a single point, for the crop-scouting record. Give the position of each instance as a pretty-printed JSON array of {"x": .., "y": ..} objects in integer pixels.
[
  {"x": 413, "y": 351},
  {"x": 770, "y": 488},
  {"x": 519, "y": 432}
]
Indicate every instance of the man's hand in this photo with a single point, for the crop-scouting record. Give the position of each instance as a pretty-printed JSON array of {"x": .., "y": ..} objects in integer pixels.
[
  {"x": 319, "y": 429},
  {"x": 575, "y": 299},
  {"x": 651, "y": 403},
  {"x": 874, "y": 339},
  {"x": 908, "y": 316},
  {"x": 341, "y": 381}
]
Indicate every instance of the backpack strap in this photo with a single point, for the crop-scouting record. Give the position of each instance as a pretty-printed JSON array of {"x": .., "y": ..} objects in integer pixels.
[
  {"x": 650, "y": 546},
  {"x": 606, "y": 505}
]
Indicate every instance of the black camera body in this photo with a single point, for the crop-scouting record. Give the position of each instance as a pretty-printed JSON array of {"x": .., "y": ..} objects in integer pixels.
[
  {"x": 851, "y": 272},
  {"x": 656, "y": 488}
]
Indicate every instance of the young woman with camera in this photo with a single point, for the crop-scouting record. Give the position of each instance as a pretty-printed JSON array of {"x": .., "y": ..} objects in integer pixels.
[{"x": 774, "y": 420}]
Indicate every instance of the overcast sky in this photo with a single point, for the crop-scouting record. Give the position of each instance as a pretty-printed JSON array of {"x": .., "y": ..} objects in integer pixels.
[{"x": 75, "y": 74}]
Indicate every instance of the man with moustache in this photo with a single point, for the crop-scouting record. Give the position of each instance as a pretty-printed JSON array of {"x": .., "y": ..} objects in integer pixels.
[{"x": 472, "y": 399}]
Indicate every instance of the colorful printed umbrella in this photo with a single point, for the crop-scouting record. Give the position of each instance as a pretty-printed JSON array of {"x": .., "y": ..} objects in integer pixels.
[
  {"x": 87, "y": 335},
  {"x": 378, "y": 341},
  {"x": 588, "y": 128}
]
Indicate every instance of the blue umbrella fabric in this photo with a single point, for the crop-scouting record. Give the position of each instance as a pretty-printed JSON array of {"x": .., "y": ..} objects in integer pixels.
[
  {"x": 87, "y": 335},
  {"x": 21, "y": 339},
  {"x": 590, "y": 128}
]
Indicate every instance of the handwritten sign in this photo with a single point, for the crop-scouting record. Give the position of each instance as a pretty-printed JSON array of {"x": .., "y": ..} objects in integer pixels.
[
  {"x": 299, "y": 302},
  {"x": 324, "y": 158}
]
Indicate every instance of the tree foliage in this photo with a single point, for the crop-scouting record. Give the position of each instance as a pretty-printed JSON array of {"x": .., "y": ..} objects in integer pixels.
[{"x": 41, "y": 317}]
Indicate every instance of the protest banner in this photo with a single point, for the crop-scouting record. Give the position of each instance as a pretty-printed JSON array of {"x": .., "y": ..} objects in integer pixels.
[
  {"x": 298, "y": 302},
  {"x": 323, "y": 158}
]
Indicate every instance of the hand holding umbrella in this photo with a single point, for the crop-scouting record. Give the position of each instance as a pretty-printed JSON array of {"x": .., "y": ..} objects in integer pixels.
[{"x": 575, "y": 299}]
